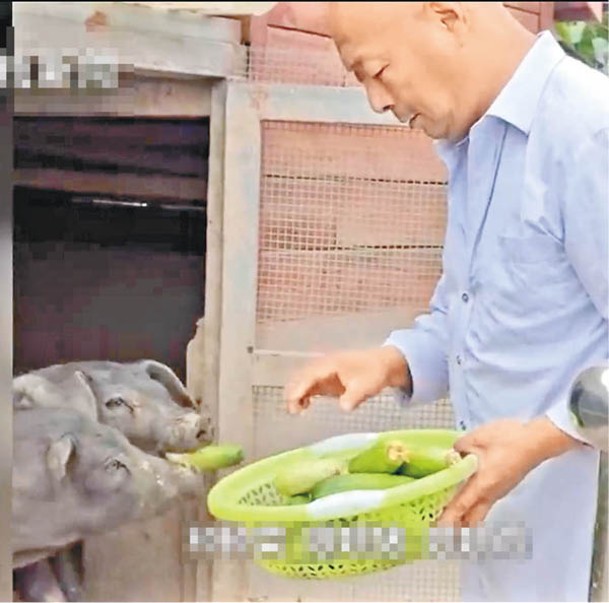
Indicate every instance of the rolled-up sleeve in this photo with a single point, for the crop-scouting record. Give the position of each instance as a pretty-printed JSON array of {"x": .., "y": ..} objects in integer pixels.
[
  {"x": 424, "y": 346},
  {"x": 585, "y": 209}
]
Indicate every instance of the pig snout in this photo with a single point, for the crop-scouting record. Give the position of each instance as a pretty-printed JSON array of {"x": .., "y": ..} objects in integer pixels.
[
  {"x": 188, "y": 432},
  {"x": 162, "y": 482}
]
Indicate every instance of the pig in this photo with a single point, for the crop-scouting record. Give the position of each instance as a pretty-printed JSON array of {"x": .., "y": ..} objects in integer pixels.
[
  {"x": 74, "y": 477},
  {"x": 145, "y": 400}
]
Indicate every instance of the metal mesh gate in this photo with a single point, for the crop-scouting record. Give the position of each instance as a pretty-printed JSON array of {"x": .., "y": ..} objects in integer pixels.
[
  {"x": 350, "y": 244},
  {"x": 347, "y": 224}
]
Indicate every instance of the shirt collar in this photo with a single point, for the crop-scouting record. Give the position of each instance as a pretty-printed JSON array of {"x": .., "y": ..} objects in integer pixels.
[{"x": 518, "y": 101}]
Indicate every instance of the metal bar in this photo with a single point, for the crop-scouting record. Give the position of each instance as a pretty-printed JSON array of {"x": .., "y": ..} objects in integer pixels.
[{"x": 599, "y": 580}]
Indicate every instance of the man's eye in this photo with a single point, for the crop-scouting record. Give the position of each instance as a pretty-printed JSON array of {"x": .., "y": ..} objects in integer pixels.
[{"x": 379, "y": 73}]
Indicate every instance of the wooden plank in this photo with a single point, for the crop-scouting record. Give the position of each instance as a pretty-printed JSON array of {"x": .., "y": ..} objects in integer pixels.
[
  {"x": 125, "y": 16},
  {"x": 138, "y": 562},
  {"x": 173, "y": 188},
  {"x": 309, "y": 17},
  {"x": 529, "y": 20},
  {"x": 322, "y": 214},
  {"x": 546, "y": 15},
  {"x": 210, "y": 8},
  {"x": 324, "y": 104},
  {"x": 239, "y": 257},
  {"x": 212, "y": 334},
  {"x": 142, "y": 97},
  {"x": 303, "y": 16},
  {"x": 273, "y": 368},
  {"x": 122, "y": 158},
  {"x": 282, "y": 347},
  {"x": 153, "y": 133},
  {"x": 7, "y": 326},
  {"x": 130, "y": 49},
  {"x": 577, "y": 11},
  {"x": 307, "y": 284},
  {"x": 347, "y": 152},
  {"x": 529, "y": 7}
]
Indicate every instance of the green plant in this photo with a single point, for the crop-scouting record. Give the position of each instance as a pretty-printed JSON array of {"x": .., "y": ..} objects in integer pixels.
[{"x": 587, "y": 41}]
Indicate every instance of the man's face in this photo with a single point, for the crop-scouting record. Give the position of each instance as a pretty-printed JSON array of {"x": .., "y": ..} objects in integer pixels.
[{"x": 406, "y": 55}]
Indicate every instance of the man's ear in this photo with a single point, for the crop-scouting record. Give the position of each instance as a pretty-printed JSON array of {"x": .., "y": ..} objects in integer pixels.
[
  {"x": 452, "y": 15},
  {"x": 58, "y": 457}
]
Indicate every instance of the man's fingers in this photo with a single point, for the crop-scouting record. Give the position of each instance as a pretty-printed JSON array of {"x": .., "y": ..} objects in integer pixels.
[
  {"x": 301, "y": 388},
  {"x": 461, "y": 505},
  {"x": 477, "y": 514},
  {"x": 467, "y": 443},
  {"x": 356, "y": 392},
  {"x": 318, "y": 380},
  {"x": 296, "y": 394}
]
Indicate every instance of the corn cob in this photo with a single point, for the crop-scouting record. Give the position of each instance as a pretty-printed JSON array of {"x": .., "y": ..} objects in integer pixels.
[
  {"x": 301, "y": 478},
  {"x": 421, "y": 462},
  {"x": 298, "y": 499},
  {"x": 358, "y": 481},
  {"x": 381, "y": 457},
  {"x": 208, "y": 458}
]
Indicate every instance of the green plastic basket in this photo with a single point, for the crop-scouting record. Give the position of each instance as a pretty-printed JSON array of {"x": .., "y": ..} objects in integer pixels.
[{"x": 376, "y": 518}]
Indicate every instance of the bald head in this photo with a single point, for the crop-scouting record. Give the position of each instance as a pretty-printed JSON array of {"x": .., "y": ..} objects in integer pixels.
[
  {"x": 437, "y": 65},
  {"x": 353, "y": 21}
]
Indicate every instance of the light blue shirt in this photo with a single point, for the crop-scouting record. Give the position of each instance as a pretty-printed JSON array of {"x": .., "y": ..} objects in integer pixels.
[{"x": 522, "y": 304}]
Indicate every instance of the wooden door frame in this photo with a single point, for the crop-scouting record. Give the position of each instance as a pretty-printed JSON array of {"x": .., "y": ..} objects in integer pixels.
[
  {"x": 240, "y": 363},
  {"x": 166, "y": 78}
]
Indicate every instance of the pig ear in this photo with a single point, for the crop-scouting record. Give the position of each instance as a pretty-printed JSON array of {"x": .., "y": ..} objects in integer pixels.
[
  {"x": 58, "y": 455},
  {"x": 86, "y": 381},
  {"x": 21, "y": 392},
  {"x": 29, "y": 390},
  {"x": 163, "y": 374}
]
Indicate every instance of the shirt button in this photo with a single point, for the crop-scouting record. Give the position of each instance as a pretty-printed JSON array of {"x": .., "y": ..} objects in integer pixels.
[
  {"x": 465, "y": 298},
  {"x": 462, "y": 425},
  {"x": 459, "y": 360}
]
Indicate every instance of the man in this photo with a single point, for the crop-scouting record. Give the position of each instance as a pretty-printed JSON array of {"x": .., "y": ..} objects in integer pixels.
[{"x": 522, "y": 304}]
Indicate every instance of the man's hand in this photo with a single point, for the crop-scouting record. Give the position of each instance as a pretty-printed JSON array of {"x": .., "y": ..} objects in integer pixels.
[
  {"x": 352, "y": 376},
  {"x": 507, "y": 451}
]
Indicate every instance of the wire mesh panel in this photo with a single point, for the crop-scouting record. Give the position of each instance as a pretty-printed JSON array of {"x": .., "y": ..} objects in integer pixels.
[
  {"x": 351, "y": 227},
  {"x": 324, "y": 419},
  {"x": 293, "y": 57},
  {"x": 351, "y": 223}
]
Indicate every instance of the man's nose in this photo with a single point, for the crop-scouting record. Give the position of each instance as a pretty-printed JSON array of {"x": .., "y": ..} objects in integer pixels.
[{"x": 378, "y": 97}]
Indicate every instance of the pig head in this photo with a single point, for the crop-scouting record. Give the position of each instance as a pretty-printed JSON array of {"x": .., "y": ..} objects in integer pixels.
[
  {"x": 74, "y": 477},
  {"x": 145, "y": 400}
]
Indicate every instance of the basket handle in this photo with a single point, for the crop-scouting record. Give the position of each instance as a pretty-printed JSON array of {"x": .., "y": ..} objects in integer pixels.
[{"x": 343, "y": 442}]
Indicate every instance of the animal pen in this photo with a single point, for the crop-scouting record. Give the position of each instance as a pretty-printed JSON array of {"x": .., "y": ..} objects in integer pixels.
[{"x": 232, "y": 210}]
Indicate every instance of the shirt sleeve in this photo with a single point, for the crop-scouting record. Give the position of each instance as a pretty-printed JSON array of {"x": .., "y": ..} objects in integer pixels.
[
  {"x": 585, "y": 209},
  {"x": 424, "y": 347}
]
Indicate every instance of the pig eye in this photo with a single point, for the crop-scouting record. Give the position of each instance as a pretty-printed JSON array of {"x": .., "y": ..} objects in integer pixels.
[
  {"x": 115, "y": 465},
  {"x": 117, "y": 403}
]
